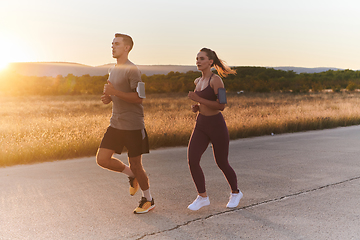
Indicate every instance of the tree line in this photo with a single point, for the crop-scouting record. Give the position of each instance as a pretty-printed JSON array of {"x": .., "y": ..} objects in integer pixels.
[{"x": 249, "y": 79}]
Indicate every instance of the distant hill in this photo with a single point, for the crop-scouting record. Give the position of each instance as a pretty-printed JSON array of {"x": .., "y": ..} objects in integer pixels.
[
  {"x": 53, "y": 69},
  {"x": 306, "y": 70}
]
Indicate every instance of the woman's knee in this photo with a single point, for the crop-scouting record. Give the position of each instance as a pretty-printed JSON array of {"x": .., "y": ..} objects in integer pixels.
[
  {"x": 194, "y": 164},
  {"x": 222, "y": 163},
  {"x": 221, "y": 157}
]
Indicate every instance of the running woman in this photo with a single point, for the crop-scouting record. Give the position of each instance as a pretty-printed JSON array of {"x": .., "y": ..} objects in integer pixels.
[
  {"x": 210, "y": 127},
  {"x": 127, "y": 128}
]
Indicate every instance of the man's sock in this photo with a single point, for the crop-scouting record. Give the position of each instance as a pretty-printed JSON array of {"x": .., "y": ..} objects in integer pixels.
[
  {"x": 147, "y": 194},
  {"x": 128, "y": 171}
]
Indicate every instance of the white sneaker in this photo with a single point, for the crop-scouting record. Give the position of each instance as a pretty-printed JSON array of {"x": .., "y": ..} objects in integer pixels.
[
  {"x": 234, "y": 199},
  {"x": 199, "y": 203}
]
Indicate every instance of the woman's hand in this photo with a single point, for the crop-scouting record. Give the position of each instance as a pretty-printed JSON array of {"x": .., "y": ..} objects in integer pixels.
[
  {"x": 193, "y": 96},
  {"x": 195, "y": 108}
]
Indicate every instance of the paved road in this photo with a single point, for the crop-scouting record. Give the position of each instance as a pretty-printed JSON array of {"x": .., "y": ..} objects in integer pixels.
[{"x": 296, "y": 186}]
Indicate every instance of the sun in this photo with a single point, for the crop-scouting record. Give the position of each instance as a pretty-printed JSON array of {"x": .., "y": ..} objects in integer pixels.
[
  {"x": 3, "y": 65},
  {"x": 4, "y": 53},
  {"x": 11, "y": 51}
]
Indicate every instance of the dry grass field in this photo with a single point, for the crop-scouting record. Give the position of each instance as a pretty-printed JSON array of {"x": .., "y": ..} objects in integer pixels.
[{"x": 37, "y": 129}]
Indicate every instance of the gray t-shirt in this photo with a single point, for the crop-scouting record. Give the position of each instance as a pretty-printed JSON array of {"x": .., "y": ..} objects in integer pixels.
[{"x": 126, "y": 116}]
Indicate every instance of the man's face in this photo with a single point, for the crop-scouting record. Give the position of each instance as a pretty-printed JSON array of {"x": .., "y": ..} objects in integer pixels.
[{"x": 118, "y": 47}]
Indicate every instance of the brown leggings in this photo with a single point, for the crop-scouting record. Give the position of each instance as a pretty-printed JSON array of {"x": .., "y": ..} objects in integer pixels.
[{"x": 210, "y": 129}]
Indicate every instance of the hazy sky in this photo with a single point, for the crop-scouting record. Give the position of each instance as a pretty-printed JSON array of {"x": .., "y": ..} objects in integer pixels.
[{"x": 307, "y": 33}]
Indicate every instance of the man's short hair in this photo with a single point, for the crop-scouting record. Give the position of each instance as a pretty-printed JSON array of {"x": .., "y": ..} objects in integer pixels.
[{"x": 127, "y": 39}]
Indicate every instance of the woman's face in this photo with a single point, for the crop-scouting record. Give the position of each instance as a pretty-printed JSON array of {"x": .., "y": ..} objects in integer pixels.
[{"x": 202, "y": 61}]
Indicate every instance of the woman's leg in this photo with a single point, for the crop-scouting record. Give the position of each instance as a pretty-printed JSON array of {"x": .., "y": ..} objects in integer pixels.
[
  {"x": 220, "y": 142},
  {"x": 197, "y": 146}
]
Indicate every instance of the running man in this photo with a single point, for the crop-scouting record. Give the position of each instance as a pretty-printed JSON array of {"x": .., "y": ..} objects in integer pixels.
[{"x": 127, "y": 128}]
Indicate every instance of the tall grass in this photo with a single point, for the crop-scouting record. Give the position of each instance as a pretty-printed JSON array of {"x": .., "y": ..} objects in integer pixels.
[
  {"x": 36, "y": 129},
  {"x": 280, "y": 113}
]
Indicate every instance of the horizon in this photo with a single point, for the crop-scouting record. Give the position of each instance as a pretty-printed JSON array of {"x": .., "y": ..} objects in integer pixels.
[
  {"x": 193, "y": 65},
  {"x": 258, "y": 33},
  {"x": 53, "y": 69}
]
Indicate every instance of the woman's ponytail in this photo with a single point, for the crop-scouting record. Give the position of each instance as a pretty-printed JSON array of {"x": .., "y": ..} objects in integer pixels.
[{"x": 221, "y": 67}]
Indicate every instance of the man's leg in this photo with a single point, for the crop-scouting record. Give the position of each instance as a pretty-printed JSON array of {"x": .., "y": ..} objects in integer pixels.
[
  {"x": 105, "y": 159},
  {"x": 147, "y": 202},
  {"x": 139, "y": 172}
]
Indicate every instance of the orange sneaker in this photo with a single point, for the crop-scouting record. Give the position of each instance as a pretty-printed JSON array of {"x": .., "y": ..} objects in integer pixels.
[
  {"x": 145, "y": 206},
  {"x": 134, "y": 186}
]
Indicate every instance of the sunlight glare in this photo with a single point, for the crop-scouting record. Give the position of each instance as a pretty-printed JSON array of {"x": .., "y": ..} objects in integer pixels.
[
  {"x": 11, "y": 51},
  {"x": 3, "y": 62},
  {"x": 4, "y": 53}
]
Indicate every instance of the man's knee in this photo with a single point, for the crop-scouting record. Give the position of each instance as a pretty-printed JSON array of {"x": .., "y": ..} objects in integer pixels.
[
  {"x": 103, "y": 159},
  {"x": 135, "y": 164}
]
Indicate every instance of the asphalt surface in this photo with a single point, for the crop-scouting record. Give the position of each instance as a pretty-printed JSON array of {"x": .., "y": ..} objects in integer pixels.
[{"x": 296, "y": 186}]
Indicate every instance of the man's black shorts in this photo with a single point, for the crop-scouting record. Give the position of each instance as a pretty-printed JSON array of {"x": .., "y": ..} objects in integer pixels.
[{"x": 135, "y": 141}]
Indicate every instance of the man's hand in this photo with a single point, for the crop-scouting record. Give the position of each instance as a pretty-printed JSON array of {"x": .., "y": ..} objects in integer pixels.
[
  {"x": 106, "y": 99},
  {"x": 109, "y": 89}
]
